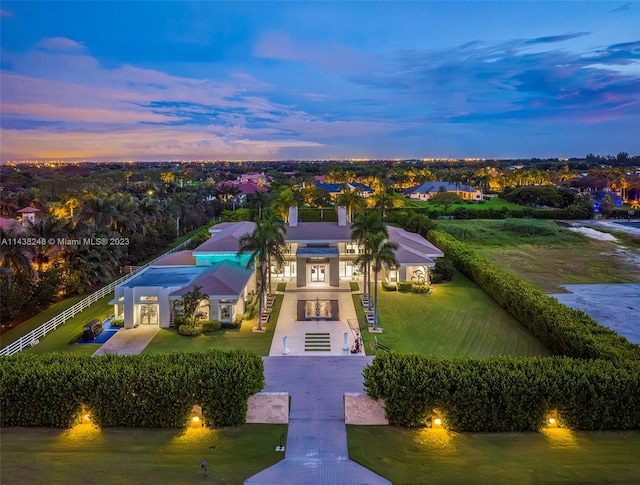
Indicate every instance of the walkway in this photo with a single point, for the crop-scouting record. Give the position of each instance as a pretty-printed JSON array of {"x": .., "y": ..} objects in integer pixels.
[
  {"x": 297, "y": 331},
  {"x": 129, "y": 341},
  {"x": 316, "y": 452}
]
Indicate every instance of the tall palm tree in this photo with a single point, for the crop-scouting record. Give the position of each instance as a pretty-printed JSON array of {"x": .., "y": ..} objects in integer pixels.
[
  {"x": 352, "y": 201},
  {"x": 383, "y": 200},
  {"x": 265, "y": 242},
  {"x": 363, "y": 226},
  {"x": 16, "y": 257},
  {"x": 382, "y": 255},
  {"x": 280, "y": 206}
]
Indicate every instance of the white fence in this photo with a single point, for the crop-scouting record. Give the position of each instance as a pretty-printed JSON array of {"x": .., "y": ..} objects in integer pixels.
[{"x": 33, "y": 337}]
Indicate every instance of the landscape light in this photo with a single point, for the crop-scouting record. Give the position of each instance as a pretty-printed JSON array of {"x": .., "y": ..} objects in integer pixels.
[
  {"x": 437, "y": 422},
  {"x": 195, "y": 419},
  {"x": 552, "y": 420}
]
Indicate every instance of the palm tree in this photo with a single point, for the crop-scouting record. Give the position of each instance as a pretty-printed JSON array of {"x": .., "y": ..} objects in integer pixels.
[
  {"x": 281, "y": 205},
  {"x": 352, "y": 201},
  {"x": 383, "y": 200},
  {"x": 265, "y": 242},
  {"x": 382, "y": 255},
  {"x": 16, "y": 257},
  {"x": 363, "y": 226}
]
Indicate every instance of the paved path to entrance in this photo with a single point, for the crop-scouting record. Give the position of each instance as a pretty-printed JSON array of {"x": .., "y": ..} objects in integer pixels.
[
  {"x": 316, "y": 452},
  {"x": 129, "y": 341},
  {"x": 296, "y": 331}
]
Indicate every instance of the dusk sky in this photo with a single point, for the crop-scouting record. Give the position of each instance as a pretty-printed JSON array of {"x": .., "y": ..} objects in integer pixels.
[{"x": 147, "y": 80}]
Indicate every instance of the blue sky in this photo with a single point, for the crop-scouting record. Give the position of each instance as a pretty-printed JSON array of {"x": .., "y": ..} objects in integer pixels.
[{"x": 143, "y": 80}]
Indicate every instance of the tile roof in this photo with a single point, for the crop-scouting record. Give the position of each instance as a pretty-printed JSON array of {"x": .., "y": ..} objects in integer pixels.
[
  {"x": 317, "y": 232},
  {"x": 225, "y": 279},
  {"x": 362, "y": 187},
  {"x": 331, "y": 188},
  {"x": 179, "y": 258},
  {"x": 225, "y": 237},
  {"x": 413, "y": 248},
  {"x": 434, "y": 187}
]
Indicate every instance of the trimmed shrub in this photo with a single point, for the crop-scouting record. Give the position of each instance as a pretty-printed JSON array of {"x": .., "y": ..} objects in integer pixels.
[
  {"x": 190, "y": 330},
  {"x": 436, "y": 278},
  {"x": 444, "y": 267},
  {"x": 405, "y": 286},
  {"x": 117, "y": 322},
  {"x": 421, "y": 289},
  {"x": 505, "y": 393},
  {"x": 387, "y": 287},
  {"x": 211, "y": 325},
  {"x": 139, "y": 390}
]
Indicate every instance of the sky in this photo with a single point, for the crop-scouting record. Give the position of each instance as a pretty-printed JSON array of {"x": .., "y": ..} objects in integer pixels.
[{"x": 168, "y": 80}]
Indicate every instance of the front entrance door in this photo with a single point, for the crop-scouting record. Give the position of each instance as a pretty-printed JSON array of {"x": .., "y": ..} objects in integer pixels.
[
  {"x": 149, "y": 314},
  {"x": 317, "y": 273}
]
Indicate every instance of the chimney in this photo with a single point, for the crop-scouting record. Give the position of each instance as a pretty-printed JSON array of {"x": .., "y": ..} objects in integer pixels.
[
  {"x": 342, "y": 215},
  {"x": 293, "y": 216}
]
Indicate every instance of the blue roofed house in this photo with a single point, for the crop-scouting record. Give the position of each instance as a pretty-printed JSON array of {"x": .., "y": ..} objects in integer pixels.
[
  {"x": 430, "y": 189},
  {"x": 336, "y": 189}
]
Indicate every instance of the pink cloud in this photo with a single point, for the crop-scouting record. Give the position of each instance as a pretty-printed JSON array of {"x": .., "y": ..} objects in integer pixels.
[{"x": 60, "y": 44}]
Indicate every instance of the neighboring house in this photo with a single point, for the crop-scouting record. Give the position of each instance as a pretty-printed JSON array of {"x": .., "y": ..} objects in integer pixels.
[
  {"x": 320, "y": 254},
  {"x": 336, "y": 189},
  {"x": 430, "y": 189},
  {"x": 28, "y": 215},
  {"x": 148, "y": 297},
  {"x": 242, "y": 189},
  {"x": 317, "y": 255},
  {"x": 254, "y": 178}
]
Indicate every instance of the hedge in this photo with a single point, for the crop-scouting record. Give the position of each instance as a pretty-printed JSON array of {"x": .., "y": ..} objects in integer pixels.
[
  {"x": 505, "y": 393},
  {"x": 564, "y": 330},
  {"x": 140, "y": 390}
]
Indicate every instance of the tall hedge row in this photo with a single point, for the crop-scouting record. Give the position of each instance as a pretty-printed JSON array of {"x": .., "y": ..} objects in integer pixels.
[
  {"x": 505, "y": 394},
  {"x": 141, "y": 391},
  {"x": 564, "y": 330}
]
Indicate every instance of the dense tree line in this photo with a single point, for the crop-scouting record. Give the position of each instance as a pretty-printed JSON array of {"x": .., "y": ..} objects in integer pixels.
[{"x": 85, "y": 237}]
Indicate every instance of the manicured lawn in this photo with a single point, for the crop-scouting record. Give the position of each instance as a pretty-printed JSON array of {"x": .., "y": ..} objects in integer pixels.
[
  {"x": 496, "y": 203},
  {"x": 169, "y": 340},
  {"x": 64, "y": 338},
  {"x": 554, "y": 456},
  {"x": 548, "y": 258},
  {"x": 456, "y": 319},
  {"x": 86, "y": 454},
  {"x": 41, "y": 318}
]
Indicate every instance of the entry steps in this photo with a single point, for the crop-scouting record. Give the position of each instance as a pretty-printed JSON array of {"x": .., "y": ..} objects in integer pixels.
[{"x": 317, "y": 342}]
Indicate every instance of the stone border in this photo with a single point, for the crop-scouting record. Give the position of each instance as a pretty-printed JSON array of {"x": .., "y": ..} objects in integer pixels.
[
  {"x": 359, "y": 408},
  {"x": 268, "y": 407}
]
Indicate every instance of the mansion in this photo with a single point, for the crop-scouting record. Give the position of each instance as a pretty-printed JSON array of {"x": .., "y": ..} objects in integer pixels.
[{"x": 317, "y": 255}]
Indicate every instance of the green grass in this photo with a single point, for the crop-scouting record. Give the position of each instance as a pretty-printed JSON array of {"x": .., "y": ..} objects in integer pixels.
[
  {"x": 86, "y": 454},
  {"x": 554, "y": 456},
  {"x": 496, "y": 203},
  {"x": 456, "y": 319},
  {"x": 169, "y": 340},
  {"x": 64, "y": 338},
  {"x": 510, "y": 232},
  {"x": 31, "y": 324},
  {"x": 544, "y": 259}
]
